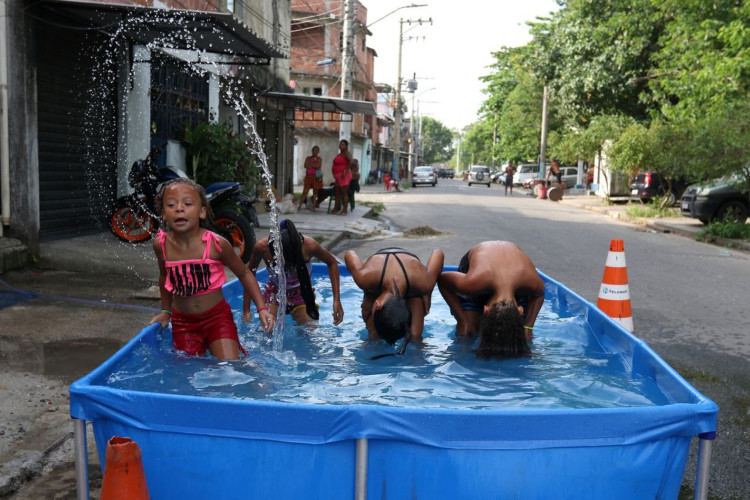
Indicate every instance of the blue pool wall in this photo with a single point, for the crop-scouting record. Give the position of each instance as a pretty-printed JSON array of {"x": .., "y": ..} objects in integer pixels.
[{"x": 202, "y": 447}]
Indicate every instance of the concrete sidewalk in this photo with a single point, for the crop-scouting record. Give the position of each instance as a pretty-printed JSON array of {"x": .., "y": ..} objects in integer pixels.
[
  {"x": 683, "y": 226},
  {"x": 96, "y": 282},
  {"x": 63, "y": 316}
]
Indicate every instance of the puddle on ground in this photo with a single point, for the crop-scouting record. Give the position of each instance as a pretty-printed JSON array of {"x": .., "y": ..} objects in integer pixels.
[{"x": 65, "y": 360}]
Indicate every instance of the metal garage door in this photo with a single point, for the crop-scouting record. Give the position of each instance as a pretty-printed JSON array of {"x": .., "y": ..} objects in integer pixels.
[{"x": 77, "y": 140}]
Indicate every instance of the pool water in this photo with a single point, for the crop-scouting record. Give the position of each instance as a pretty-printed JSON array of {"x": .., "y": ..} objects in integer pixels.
[{"x": 326, "y": 364}]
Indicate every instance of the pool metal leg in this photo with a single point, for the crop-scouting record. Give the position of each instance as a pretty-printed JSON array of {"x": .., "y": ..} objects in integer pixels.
[
  {"x": 704, "y": 465},
  {"x": 82, "y": 459},
  {"x": 360, "y": 478}
]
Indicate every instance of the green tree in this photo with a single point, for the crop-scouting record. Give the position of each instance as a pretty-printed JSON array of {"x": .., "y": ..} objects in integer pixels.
[
  {"x": 703, "y": 65},
  {"x": 476, "y": 145},
  {"x": 217, "y": 153},
  {"x": 593, "y": 54},
  {"x": 437, "y": 141}
]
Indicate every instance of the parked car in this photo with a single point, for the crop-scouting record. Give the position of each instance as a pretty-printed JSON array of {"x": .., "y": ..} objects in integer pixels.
[
  {"x": 446, "y": 173},
  {"x": 424, "y": 175},
  {"x": 526, "y": 172},
  {"x": 569, "y": 176},
  {"x": 479, "y": 174},
  {"x": 646, "y": 185},
  {"x": 498, "y": 177},
  {"x": 726, "y": 199}
]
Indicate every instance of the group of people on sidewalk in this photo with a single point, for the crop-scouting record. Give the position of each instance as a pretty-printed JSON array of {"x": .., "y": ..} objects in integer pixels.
[
  {"x": 486, "y": 296},
  {"x": 345, "y": 170}
]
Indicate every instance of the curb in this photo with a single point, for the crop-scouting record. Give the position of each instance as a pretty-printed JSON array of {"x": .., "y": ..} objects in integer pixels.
[{"x": 662, "y": 227}]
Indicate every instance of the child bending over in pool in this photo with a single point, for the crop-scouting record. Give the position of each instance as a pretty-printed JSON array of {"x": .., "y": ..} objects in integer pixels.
[
  {"x": 497, "y": 293},
  {"x": 297, "y": 251},
  {"x": 191, "y": 273},
  {"x": 397, "y": 291}
]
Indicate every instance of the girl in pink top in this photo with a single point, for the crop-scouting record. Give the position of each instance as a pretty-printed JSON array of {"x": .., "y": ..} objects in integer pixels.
[
  {"x": 343, "y": 176},
  {"x": 191, "y": 273}
]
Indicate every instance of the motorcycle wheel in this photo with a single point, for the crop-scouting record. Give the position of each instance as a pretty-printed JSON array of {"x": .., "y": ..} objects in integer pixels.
[
  {"x": 130, "y": 226},
  {"x": 236, "y": 228}
]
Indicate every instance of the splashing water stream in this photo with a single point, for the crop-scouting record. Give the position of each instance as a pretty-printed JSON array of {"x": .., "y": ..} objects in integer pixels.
[{"x": 109, "y": 60}]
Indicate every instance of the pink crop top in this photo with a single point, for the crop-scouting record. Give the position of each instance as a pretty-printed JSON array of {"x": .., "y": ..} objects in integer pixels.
[{"x": 194, "y": 276}]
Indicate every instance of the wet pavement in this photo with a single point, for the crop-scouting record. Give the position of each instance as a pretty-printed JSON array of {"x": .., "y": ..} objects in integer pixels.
[
  {"x": 63, "y": 317},
  {"x": 50, "y": 315}
]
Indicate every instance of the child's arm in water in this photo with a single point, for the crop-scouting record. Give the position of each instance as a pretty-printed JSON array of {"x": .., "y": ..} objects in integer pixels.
[
  {"x": 333, "y": 273},
  {"x": 166, "y": 298},
  {"x": 249, "y": 283}
]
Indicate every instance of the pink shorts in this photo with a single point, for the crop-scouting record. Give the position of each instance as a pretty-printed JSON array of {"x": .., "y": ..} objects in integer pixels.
[{"x": 193, "y": 333}]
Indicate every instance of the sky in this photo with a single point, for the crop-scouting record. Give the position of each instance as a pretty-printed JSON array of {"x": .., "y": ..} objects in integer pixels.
[{"x": 451, "y": 54}]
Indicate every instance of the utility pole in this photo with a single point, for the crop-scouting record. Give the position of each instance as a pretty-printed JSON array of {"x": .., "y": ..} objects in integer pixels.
[
  {"x": 397, "y": 107},
  {"x": 543, "y": 152},
  {"x": 347, "y": 65},
  {"x": 413, "y": 90}
]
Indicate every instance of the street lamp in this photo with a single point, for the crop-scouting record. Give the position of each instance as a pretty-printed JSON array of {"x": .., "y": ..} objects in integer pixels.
[
  {"x": 416, "y": 139},
  {"x": 396, "y": 10}
]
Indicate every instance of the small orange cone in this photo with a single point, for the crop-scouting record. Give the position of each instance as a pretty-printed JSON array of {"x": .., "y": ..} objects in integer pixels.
[
  {"x": 124, "y": 478},
  {"x": 614, "y": 296}
]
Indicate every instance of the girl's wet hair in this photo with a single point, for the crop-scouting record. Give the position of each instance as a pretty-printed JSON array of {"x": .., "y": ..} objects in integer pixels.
[
  {"x": 159, "y": 201},
  {"x": 392, "y": 321},
  {"x": 501, "y": 332},
  {"x": 291, "y": 248}
]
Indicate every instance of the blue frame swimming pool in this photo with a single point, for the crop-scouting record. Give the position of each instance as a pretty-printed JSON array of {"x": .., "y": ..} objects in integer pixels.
[{"x": 205, "y": 447}]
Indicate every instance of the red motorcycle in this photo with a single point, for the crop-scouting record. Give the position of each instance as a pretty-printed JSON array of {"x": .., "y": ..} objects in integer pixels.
[{"x": 134, "y": 218}]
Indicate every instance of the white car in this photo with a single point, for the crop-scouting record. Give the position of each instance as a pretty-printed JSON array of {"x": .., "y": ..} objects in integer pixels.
[
  {"x": 569, "y": 176},
  {"x": 525, "y": 172},
  {"x": 479, "y": 174},
  {"x": 424, "y": 175}
]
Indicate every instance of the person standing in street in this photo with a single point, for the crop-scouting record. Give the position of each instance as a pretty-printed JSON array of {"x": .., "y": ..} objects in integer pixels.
[
  {"x": 313, "y": 178},
  {"x": 554, "y": 171},
  {"x": 342, "y": 174},
  {"x": 496, "y": 293},
  {"x": 509, "y": 171}
]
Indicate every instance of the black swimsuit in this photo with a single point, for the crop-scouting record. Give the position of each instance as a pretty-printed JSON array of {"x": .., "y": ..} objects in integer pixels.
[{"x": 388, "y": 252}]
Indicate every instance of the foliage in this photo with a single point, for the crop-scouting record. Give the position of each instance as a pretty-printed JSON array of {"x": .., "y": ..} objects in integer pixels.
[
  {"x": 378, "y": 207},
  {"x": 502, "y": 79},
  {"x": 657, "y": 84},
  {"x": 523, "y": 106},
  {"x": 589, "y": 143},
  {"x": 219, "y": 154},
  {"x": 593, "y": 54},
  {"x": 728, "y": 230},
  {"x": 476, "y": 144},
  {"x": 437, "y": 142},
  {"x": 703, "y": 62},
  {"x": 656, "y": 207}
]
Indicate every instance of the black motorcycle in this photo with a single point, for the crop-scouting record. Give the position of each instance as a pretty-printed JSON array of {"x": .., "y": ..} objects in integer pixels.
[
  {"x": 234, "y": 216},
  {"x": 134, "y": 219}
]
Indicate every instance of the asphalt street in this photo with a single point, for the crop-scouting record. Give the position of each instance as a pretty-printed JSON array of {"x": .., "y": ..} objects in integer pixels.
[{"x": 85, "y": 298}]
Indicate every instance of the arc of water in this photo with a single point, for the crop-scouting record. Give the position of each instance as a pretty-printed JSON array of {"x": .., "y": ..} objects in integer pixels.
[{"x": 181, "y": 37}]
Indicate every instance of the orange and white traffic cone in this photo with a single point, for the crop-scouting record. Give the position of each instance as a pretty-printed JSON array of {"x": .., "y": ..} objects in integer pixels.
[
  {"x": 614, "y": 295},
  {"x": 124, "y": 478}
]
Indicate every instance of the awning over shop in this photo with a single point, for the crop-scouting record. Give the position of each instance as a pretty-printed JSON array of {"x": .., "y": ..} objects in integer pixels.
[
  {"x": 312, "y": 107},
  {"x": 215, "y": 32}
]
